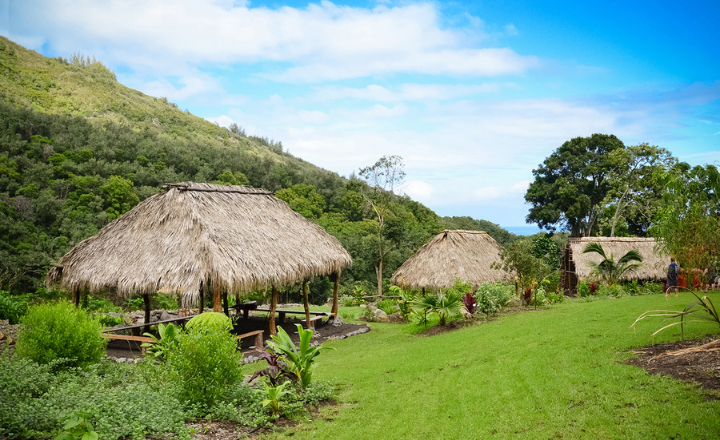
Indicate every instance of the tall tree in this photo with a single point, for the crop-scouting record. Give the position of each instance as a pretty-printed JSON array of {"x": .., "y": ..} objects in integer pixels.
[
  {"x": 689, "y": 218},
  {"x": 636, "y": 189},
  {"x": 571, "y": 184},
  {"x": 382, "y": 177}
]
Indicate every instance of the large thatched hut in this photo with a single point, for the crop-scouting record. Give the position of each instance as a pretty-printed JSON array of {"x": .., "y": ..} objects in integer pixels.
[
  {"x": 575, "y": 267},
  {"x": 199, "y": 237},
  {"x": 452, "y": 254}
]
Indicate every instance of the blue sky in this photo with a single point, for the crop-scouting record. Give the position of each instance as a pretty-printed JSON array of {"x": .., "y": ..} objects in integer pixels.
[{"x": 473, "y": 95}]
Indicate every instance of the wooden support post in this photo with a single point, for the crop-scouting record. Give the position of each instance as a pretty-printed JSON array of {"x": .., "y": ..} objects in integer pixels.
[
  {"x": 76, "y": 297},
  {"x": 225, "y": 304},
  {"x": 202, "y": 300},
  {"x": 146, "y": 300},
  {"x": 334, "y": 309},
  {"x": 217, "y": 298},
  {"x": 273, "y": 306},
  {"x": 306, "y": 303}
]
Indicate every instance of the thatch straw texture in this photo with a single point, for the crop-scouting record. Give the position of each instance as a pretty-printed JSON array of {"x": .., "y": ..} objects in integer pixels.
[
  {"x": 654, "y": 264},
  {"x": 452, "y": 254},
  {"x": 237, "y": 238}
]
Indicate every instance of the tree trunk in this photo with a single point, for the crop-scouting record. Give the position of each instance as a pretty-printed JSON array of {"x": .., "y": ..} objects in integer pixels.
[
  {"x": 146, "y": 300},
  {"x": 306, "y": 303},
  {"x": 225, "y": 304},
  {"x": 334, "y": 309},
  {"x": 618, "y": 209},
  {"x": 273, "y": 306},
  {"x": 378, "y": 272},
  {"x": 217, "y": 299}
]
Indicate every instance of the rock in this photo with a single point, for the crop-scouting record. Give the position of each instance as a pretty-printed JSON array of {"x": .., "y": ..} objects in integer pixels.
[
  {"x": 120, "y": 360},
  {"x": 337, "y": 322},
  {"x": 363, "y": 306},
  {"x": 380, "y": 315},
  {"x": 140, "y": 321},
  {"x": 165, "y": 316},
  {"x": 515, "y": 302},
  {"x": 395, "y": 318}
]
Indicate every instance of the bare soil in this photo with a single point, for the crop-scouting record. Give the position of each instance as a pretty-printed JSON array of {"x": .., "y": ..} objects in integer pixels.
[{"x": 702, "y": 367}]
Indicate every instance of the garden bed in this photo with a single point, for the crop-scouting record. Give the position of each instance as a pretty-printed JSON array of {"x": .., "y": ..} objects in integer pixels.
[{"x": 702, "y": 367}]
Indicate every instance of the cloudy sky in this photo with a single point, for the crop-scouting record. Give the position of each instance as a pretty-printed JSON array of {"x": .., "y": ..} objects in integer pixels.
[{"x": 473, "y": 95}]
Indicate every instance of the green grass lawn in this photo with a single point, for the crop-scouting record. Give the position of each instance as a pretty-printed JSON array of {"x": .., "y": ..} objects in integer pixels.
[{"x": 552, "y": 373}]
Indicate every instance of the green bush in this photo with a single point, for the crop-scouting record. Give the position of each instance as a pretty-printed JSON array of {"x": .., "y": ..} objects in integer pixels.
[
  {"x": 206, "y": 364},
  {"x": 208, "y": 320},
  {"x": 117, "y": 398},
  {"x": 615, "y": 290},
  {"x": 63, "y": 333},
  {"x": 164, "y": 301},
  {"x": 538, "y": 298},
  {"x": 552, "y": 282},
  {"x": 492, "y": 296},
  {"x": 109, "y": 321},
  {"x": 346, "y": 300},
  {"x": 388, "y": 306},
  {"x": 583, "y": 289},
  {"x": 13, "y": 307}
]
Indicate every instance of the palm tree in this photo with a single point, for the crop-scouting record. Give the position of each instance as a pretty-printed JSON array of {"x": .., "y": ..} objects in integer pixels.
[{"x": 608, "y": 269}]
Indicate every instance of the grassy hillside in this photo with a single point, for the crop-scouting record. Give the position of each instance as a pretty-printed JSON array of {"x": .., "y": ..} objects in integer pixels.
[{"x": 88, "y": 89}]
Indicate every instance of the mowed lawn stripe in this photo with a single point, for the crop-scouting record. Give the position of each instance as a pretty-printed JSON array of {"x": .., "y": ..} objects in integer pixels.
[{"x": 552, "y": 373}]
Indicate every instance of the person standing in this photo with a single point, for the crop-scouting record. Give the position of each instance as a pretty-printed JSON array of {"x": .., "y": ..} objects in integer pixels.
[{"x": 672, "y": 278}]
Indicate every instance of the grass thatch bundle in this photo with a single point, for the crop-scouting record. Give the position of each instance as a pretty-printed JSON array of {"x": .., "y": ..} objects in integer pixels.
[
  {"x": 452, "y": 254},
  {"x": 236, "y": 238},
  {"x": 654, "y": 264}
]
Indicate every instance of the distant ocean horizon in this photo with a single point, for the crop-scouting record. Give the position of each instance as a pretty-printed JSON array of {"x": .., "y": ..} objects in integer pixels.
[{"x": 523, "y": 230}]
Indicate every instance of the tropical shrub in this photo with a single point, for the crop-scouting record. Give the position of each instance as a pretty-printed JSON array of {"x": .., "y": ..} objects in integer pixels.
[
  {"x": 538, "y": 298},
  {"x": 273, "y": 395},
  {"x": 109, "y": 321},
  {"x": 594, "y": 287},
  {"x": 445, "y": 305},
  {"x": 165, "y": 301},
  {"x": 299, "y": 359},
  {"x": 554, "y": 298},
  {"x": 551, "y": 283},
  {"x": 614, "y": 290},
  {"x": 388, "y": 306},
  {"x": 208, "y": 320},
  {"x": 63, "y": 333},
  {"x": 583, "y": 289},
  {"x": 100, "y": 305},
  {"x": 470, "y": 303},
  {"x": 167, "y": 342},
  {"x": 205, "y": 364},
  {"x": 498, "y": 293},
  {"x": 610, "y": 270},
  {"x": 346, "y": 300},
  {"x": 13, "y": 307},
  {"x": 276, "y": 371}
]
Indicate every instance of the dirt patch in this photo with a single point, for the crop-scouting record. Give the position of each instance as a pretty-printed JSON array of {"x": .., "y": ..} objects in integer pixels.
[{"x": 702, "y": 367}]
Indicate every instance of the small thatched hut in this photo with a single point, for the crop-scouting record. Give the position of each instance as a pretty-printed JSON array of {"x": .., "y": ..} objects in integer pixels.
[
  {"x": 197, "y": 237},
  {"x": 452, "y": 254},
  {"x": 574, "y": 266}
]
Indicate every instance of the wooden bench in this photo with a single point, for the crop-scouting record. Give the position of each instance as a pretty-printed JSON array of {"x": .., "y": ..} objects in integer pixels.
[
  {"x": 313, "y": 319},
  {"x": 258, "y": 338}
]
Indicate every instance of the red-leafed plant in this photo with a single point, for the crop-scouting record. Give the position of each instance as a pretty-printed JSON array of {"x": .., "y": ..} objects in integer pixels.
[
  {"x": 470, "y": 303},
  {"x": 527, "y": 296},
  {"x": 594, "y": 288}
]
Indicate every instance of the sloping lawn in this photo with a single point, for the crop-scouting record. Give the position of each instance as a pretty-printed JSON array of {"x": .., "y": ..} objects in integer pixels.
[{"x": 553, "y": 373}]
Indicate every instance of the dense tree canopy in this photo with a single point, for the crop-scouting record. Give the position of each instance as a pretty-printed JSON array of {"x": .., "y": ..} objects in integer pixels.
[{"x": 570, "y": 184}]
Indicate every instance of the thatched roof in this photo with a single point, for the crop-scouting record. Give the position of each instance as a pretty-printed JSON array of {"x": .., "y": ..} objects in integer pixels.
[
  {"x": 452, "y": 254},
  {"x": 236, "y": 237},
  {"x": 654, "y": 264}
]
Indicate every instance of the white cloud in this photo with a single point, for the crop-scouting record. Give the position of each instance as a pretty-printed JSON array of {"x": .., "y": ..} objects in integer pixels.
[
  {"x": 405, "y": 92},
  {"x": 191, "y": 85},
  {"x": 418, "y": 190},
  {"x": 322, "y": 41}
]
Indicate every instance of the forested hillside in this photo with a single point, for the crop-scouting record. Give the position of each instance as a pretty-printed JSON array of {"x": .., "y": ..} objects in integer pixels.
[{"x": 78, "y": 149}]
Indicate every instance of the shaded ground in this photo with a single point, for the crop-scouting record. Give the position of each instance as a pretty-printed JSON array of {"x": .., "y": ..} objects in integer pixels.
[
  {"x": 323, "y": 331},
  {"x": 702, "y": 367}
]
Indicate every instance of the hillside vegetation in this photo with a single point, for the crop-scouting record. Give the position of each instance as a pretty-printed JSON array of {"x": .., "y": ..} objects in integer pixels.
[{"x": 78, "y": 149}]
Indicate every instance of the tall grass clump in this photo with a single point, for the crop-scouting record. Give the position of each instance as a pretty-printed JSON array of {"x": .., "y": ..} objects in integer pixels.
[{"x": 62, "y": 334}]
